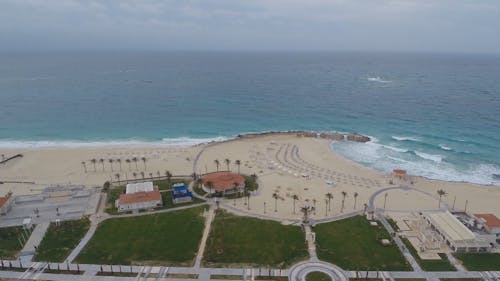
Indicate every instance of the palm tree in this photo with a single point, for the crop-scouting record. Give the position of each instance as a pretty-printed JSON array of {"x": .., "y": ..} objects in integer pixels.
[
  {"x": 344, "y": 195},
  {"x": 117, "y": 176},
  {"x": 238, "y": 163},
  {"x": 144, "y": 162},
  {"x": 216, "y": 161},
  {"x": 120, "y": 163},
  {"x": 275, "y": 197},
  {"x": 111, "y": 164},
  {"x": 194, "y": 176},
  {"x": 235, "y": 185},
  {"x": 248, "y": 200},
  {"x": 355, "y": 199},
  {"x": 385, "y": 199},
  {"x": 314, "y": 205},
  {"x": 150, "y": 175},
  {"x": 84, "y": 166},
  {"x": 441, "y": 193},
  {"x": 329, "y": 196},
  {"x": 295, "y": 198},
  {"x": 168, "y": 175},
  {"x": 129, "y": 162},
  {"x": 158, "y": 174},
  {"x": 142, "y": 174},
  {"x": 93, "y": 160},
  {"x": 102, "y": 163},
  {"x": 135, "y": 161},
  {"x": 135, "y": 175},
  {"x": 365, "y": 207},
  {"x": 227, "y": 163}
]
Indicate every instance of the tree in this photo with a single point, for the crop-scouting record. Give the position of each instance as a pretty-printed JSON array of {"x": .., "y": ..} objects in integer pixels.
[
  {"x": 111, "y": 163},
  {"x": 93, "y": 161},
  {"x": 217, "y": 163},
  {"x": 344, "y": 195},
  {"x": 238, "y": 163},
  {"x": 276, "y": 197},
  {"x": 210, "y": 185},
  {"x": 142, "y": 175},
  {"x": 441, "y": 193},
  {"x": 355, "y": 199},
  {"x": 102, "y": 163},
  {"x": 135, "y": 175},
  {"x": 227, "y": 163},
  {"x": 117, "y": 176},
  {"x": 150, "y": 175},
  {"x": 84, "y": 166},
  {"x": 194, "y": 176},
  {"x": 295, "y": 198},
  {"x": 329, "y": 196},
  {"x": 129, "y": 162},
  {"x": 135, "y": 162},
  {"x": 144, "y": 162},
  {"x": 365, "y": 207},
  {"x": 119, "y": 163},
  {"x": 168, "y": 175},
  {"x": 314, "y": 205},
  {"x": 158, "y": 174}
]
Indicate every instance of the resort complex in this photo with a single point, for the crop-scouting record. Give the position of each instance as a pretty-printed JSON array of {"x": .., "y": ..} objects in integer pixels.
[{"x": 275, "y": 206}]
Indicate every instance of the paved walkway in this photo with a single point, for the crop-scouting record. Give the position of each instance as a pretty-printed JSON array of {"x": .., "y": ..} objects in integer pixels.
[
  {"x": 311, "y": 245},
  {"x": 35, "y": 239},
  {"x": 206, "y": 231}
]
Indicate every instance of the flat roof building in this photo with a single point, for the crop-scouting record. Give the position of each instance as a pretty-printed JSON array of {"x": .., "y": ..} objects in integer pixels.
[
  {"x": 455, "y": 234},
  {"x": 138, "y": 187}
]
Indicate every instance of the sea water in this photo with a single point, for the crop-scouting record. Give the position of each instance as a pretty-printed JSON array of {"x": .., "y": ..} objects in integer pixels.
[{"x": 437, "y": 115}]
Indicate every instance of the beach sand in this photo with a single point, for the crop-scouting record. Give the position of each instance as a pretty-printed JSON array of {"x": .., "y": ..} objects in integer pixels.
[{"x": 279, "y": 161}]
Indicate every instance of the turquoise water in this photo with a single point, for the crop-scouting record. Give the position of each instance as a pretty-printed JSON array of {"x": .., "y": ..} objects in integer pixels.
[{"x": 433, "y": 114}]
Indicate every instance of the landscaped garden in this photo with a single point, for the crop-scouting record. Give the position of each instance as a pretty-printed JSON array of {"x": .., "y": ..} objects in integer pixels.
[
  {"x": 318, "y": 276},
  {"x": 60, "y": 239},
  {"x": 480, "y": 261},
  {"x": 243, "y": 240},
  {"x": 430, "y": 265},
  {"x": 12, "y": 240},
  {"x": 354, "y": 244},
  {"x": 162, "y": 239}
]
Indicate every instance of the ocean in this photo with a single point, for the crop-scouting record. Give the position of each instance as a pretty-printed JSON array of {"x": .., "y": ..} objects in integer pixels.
[{"x": 436, "y": 115}]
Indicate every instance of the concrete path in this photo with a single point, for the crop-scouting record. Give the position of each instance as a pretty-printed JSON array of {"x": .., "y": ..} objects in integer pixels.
[
  {"x": 454, "y": 262},
  {"x": 311, "y": 245},
  {"x": 35, "y": 239},
  {"x": 206, "y": 232}
]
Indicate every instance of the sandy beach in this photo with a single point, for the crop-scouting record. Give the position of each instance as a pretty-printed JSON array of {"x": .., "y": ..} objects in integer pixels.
[{"x": 285, "y": 164}]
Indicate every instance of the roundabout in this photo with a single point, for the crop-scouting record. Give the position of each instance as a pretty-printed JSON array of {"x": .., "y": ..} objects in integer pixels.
[{"x": 300, "y": 271}]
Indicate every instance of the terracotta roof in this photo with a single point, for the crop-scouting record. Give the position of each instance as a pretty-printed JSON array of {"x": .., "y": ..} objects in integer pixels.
[
  {"x": 3, "y": 201},
  {"x": 139, "y": 197},
  {"x": 223, "y": 180},
  {"x": 399, "y": 172},
  {"x": 489, "y": 219}
]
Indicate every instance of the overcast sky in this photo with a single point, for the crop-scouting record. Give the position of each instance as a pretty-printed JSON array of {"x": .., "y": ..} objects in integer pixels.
[{"x": 371, "y": 25}]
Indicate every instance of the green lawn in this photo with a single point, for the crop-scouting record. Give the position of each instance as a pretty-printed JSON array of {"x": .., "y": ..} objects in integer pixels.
[
  {"x": 243, "y": 240},
  {"x": 161, "y": 239},
  {"x": 480, "y": 261},
  {"x": 60, "y": 240},
  {"x": 10, "y": 244},
  {"x": 318, "y": 276},
  {"x": 164, "y": 185},
  {"x": 430, "y": 265},
  {"x": 354, "y": 244}
]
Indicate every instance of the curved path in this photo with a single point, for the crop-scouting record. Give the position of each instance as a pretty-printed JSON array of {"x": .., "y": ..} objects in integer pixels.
[{"x": 299, "y": 271}]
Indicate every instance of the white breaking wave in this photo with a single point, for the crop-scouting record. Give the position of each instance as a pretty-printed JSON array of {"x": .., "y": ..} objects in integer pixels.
[
  {"x": 402, "y": 150},
  {"x": 403, "y": 138},
  {"x": 444, "y": 147},
  {"x": 181, "y": 141},
  {"x": 378, "y": 79},
  {"x": 382, "y": 158},
  {"x": 433, "y": 157}
]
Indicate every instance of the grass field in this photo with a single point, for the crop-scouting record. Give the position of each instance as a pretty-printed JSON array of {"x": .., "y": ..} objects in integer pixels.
[
  {"x": 318, "y": 276},
  {"x": 480, "y": 262},
  {"x": 11, "y": 242},
  {"x": 243, "y": 240},
  {"x": 354, "y": 244},
  {"x": 430, "y": 265},
  {"x": 161, "y": 239},
  {"x": 59, "y": 240}
]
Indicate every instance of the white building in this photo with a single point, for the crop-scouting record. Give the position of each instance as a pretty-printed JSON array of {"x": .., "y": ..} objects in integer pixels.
[
  {"x": 139, "y": 200},
  {"x": 458, "y": 237},
  {"x": 138, "y": 187}
]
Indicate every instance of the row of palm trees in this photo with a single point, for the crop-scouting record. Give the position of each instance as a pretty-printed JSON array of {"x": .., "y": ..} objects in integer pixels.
[
  {"x": 102, "y": 161},
  {"x": 328, "y": 201},
  {"x": 227, "y": 161},
  {"x": 152, "y": 176}
]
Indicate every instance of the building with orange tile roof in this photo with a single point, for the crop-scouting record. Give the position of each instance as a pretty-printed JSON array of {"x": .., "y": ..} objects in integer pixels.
[
  {"x": 5, "y": 204},
  {"x": 490, "y": 222},
  {"x": 223, "y": 182},
  {"x": 139, "y": 200}
]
